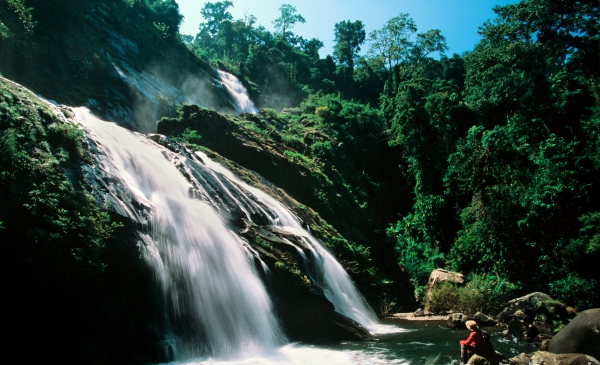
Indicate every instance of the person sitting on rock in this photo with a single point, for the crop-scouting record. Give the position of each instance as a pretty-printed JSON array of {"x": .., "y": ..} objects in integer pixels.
[{"x": 478, "y": 343}]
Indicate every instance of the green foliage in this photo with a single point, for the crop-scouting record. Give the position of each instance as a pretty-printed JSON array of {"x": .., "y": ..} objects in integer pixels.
[
  {"x": 392, "y": 42},
  {"x": 442, "y": 297},
  {"x": 288, "y": 19},
  {"x": 415, "y": 247},
  {"x": 190, "y": 138},
  {"x": 574, "y": 290},
  {"x": 486, "y": 293},
  {"x": 512, "y": 158},
  {"x": 348, "y": 38},
  {"x": 215, "y": 14},
  {"x": 588, "y": 239},
  {"x": 51, "y": 213},
  {"x": 23, "y": 12},
  {"x": 482, "y": 293}
]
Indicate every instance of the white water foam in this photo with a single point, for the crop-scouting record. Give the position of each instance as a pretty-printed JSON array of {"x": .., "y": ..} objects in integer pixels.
[
  {"x": 217, "y": 303},
  {"x": 327, "y": 271},
  {"x": 295, "y": 354},
  {"x": 238, "y": 92}
]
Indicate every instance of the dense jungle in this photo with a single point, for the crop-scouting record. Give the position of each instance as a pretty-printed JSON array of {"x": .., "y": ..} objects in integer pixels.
[{"x": 401, "y": 159}]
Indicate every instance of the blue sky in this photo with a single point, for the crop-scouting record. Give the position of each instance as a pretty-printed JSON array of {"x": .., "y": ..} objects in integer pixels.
[{"x": 457, "y": 19}]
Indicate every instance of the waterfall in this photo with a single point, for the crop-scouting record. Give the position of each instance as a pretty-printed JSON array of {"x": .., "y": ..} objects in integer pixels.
[
  {"x": 237, "y": 93},
  {"x": 325, "y": 271},
  {"x": 215, "y": 302},
  {"x": 213, "y": 294}
]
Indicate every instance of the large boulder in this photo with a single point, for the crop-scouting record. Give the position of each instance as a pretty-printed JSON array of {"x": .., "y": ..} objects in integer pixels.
[
  {"x": 527, "y": 304},
  {"x": 582, "y": 335},
  {"x": 548, "y": 358},
  {"x": 484, "y": 320},
  {"x": 439, "y": 276}
]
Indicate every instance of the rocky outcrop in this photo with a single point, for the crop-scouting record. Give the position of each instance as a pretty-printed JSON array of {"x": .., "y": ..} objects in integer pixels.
[
  {"x": 527, "y": 305},
  {"x": 581, "y": 335},
  {"x": 535, "y": 318},
  {"x": 231, "y": 141},
  {"x": 439, "y": 276},
  {"x": 305, "y": 313},
  {"x": 458, "y": 320},
  {"x": 101, "y": 59}
]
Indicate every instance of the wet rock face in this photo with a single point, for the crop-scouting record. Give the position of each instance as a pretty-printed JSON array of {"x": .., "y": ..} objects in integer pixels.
[
  {"x": 285, "y": 258},
  {"x": 225, "y": 137},
  {"x": 582, "y": 335},
  {"x": 301, "y": 306}
]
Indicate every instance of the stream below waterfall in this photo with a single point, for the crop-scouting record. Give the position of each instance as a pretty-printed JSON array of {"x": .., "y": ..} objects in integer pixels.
[{"x": 415, "y": 342}]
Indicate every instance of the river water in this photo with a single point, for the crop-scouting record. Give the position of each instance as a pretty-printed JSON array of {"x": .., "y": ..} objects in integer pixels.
[{"x": 414, "y": 342}]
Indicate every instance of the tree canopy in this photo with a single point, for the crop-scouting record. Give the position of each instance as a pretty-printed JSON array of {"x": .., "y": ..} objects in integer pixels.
[
  {"x": 349, "y": 36},
  {"x": 288, "y": 19}
]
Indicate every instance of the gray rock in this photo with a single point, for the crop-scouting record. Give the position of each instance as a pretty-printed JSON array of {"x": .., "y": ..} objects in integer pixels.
[
  {"x": 457, "y": 320},
  {"x": 548, "y": 358},
  {"x": 582, "y": 335},
  {"x": 525, "y": 304},
  {"x": 495, "y": 360},
  {"x": 439, "y": 276},
  {"x": 522, "y": 359},
  {"x": 484, "y": 320}
]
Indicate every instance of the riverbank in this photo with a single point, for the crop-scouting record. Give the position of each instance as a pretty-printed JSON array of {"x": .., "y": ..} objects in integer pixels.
[{"x": 414, "y": 316}]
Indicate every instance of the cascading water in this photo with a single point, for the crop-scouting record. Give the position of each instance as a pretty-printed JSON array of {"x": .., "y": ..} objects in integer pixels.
[
  {"x": 237, "y": 93},
  {"x": 215, "y": 303},
  {"x": 216, "y": 300},
  {"x": 323, "y": 268}
]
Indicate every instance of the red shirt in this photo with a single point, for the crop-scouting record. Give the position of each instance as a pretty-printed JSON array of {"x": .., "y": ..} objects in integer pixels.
[
  {"x": 473, "y": 340},
  {"x": 476, "y": 342}
]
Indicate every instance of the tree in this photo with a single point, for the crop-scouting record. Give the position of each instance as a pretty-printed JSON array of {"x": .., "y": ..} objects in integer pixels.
[
  {"x": 24, "y": 13},
  {"x": 288, "y": 19},
  {"x": 428, "y": 42},
  {"x": 392, "y": 42},
  {"x": 537, "y": 53},
  {"x": 348, "y": 37},
  {"x": 167, "y": 15},
  {"x": 215, "y": 13},
  {"x": 311, "y": 47}
]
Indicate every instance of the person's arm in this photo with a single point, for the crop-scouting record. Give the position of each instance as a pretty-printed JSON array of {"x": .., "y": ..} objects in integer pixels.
[{"x": 471, "y": 340}]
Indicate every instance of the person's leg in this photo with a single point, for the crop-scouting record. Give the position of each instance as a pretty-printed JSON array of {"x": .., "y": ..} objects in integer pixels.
[{"x": 464, "y": 354}]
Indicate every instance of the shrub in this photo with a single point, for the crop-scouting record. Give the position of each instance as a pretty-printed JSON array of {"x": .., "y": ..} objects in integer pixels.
[
  {"x": 485, "y": 293},
  {"x": 471, "y": 299},
  {"x": 322, "y": 112},
  {"x": 442, "y": 297},
  {"x": 574, "y": 290},
  {"x": 190, "y": 138}
]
